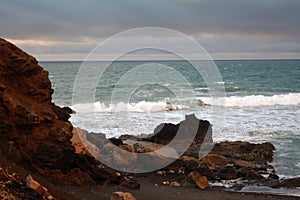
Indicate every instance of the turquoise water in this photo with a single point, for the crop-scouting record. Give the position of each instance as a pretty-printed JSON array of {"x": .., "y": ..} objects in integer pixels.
[{"x": 262, "y": 102}]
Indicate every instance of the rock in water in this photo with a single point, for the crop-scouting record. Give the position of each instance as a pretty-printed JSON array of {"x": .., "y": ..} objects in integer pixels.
[
  {"x": 191, "y": 126},
  {"x": 290, "y": 183}
]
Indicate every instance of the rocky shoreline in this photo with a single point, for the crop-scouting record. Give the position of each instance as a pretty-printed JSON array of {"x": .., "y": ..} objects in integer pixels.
[{"x": 42, "y": 154}]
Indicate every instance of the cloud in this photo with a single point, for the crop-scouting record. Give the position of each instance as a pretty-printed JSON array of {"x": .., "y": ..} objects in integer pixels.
[{"x": 64, "y": 27}]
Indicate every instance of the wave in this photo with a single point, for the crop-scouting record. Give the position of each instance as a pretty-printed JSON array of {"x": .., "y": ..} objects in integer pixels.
[
  {"x": 142, "y": 106},
  {"x": 254, "y": 100}
]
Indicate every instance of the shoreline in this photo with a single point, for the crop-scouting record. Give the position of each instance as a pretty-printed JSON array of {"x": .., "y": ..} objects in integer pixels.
[
  {"x": 149, "y": 191},
  {"x": 42, "y": 156}
]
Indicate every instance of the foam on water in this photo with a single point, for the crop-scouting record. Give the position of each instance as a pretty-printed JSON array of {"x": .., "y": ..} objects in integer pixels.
[
  {"x": 262, "y": 104},
  {"x": 255, "y": 100},
  {"x": 142, "y": 106}
]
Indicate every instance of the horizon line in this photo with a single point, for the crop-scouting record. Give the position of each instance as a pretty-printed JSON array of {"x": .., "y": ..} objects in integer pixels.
[{"x": 145, "y": 60}]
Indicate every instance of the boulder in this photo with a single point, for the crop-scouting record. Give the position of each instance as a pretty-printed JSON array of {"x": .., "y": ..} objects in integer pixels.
[
  {"x": 195, "y": 179},
  {"x": 82, "y": 145},
  {"x": 273, "y": 176},
  {"x": 121, "y": 156},
  {"x": 175, "y": 184},
  {"x": 258, "y": 153},
  {"x": 36, "y": 186},
  {"x": 122, "y": 196},
  {"x": 190, "y": 127}
]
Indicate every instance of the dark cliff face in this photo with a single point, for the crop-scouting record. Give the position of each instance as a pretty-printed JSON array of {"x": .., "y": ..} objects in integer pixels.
[
  {"x": 28, "y": 120},
  {"x": 34, "y": 132}
]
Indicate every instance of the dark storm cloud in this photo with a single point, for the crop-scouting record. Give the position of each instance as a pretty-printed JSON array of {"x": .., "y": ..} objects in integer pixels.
[{"x": 235, "y": 23}]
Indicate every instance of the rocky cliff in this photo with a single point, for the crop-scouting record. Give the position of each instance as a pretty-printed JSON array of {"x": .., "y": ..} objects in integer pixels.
[{"x": 34, "y": 132}]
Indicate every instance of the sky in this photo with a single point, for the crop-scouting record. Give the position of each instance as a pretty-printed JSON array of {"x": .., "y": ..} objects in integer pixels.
[{"x": 227, "y": 29}]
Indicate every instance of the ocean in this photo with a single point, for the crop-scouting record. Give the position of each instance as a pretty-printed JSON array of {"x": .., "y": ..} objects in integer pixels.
[{"x": 262, "y": 102}]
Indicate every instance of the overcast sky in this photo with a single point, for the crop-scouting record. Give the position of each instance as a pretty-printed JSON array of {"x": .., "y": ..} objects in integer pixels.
[{"x": 228, "y": 29}]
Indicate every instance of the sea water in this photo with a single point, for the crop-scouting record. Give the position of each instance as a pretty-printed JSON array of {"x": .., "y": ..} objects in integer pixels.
[{"x": 262, "y": 102}]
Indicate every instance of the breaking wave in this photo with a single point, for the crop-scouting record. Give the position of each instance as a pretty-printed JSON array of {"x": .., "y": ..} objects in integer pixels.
[
  {"x": 254, "y": 100},
  {"x": 142, "y": 106}
]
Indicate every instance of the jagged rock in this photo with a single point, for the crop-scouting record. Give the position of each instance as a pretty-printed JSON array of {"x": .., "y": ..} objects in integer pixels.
[
  {"x": 213, "y": 160},
  {"x": 243, "y": 164},
  {"x": 195, "y": 179},
  {"x": 36, "y": 186},
  {"x": 68, "y": 110},
  {"x": 164, "y": 133},
  {"x": 122, "y": 196},
  {"x": 82, "y": 145},
  {"x": 259, "y": 153},
  {"x": 228, "y": 173},
  {"x": 190, "y": 166},
  {"x": 122, "y": 156},
  {"x": 290, "y": 183},
  {"x": 130, "y": 183},
  {"x": 253, "y": 175},
  {"x": 273, "y": 176},
  {"x": 205, "y": 171},
  {"x": 116, "y": 141},
  {"x": 34, "y": 132},
  {"x": 97, "y": 139},
  {"x": 3, "y": 175}
]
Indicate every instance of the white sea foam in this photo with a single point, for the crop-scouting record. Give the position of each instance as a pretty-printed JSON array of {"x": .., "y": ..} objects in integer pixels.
[
  {"x": 142, "y": 106},
  {"x": 255, "y": 100}
]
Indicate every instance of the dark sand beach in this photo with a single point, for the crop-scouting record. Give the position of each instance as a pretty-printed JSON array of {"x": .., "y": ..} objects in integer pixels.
[{"x": 149, "y": 191}]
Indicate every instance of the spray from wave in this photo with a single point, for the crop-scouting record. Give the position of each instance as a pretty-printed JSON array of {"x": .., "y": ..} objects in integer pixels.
[
  {"x": 142, "y": 106},
  {"x": 254, "y": 100}
]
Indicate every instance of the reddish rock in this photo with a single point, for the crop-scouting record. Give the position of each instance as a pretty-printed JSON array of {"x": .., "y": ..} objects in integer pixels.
[
  {"x": 243, "y": 164},
  {"x": 35, "y": 131},
  {"x": 122, "y": 196},
  {"x": 195, "y": 179},
  {"x": 36, "y": 186},
  {"x": 213, "y": 160}
]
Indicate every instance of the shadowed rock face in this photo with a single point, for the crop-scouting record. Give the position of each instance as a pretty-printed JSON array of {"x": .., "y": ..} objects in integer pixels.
[
  {"x": 30, "y": 124},
  {"x": 34, "y": 132},
  {"x": 191, "y": 127}
]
